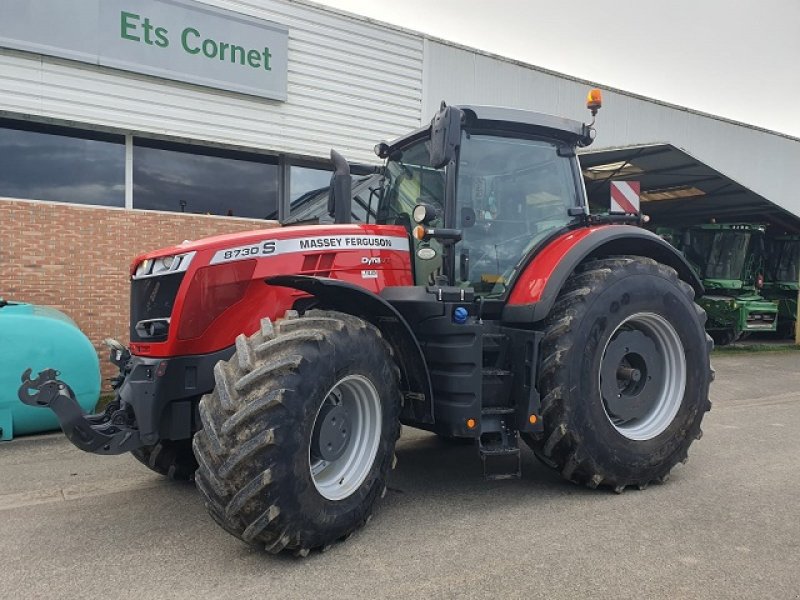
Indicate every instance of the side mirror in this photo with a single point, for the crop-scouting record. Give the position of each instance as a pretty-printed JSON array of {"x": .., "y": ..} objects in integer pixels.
[
  {"x": 340, "y": 197},
  {"x": 445, "y": 135}
]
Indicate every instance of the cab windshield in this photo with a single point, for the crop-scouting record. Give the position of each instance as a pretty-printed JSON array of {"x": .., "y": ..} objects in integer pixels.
[
  {"x": 719, "y": 254},
  {"x": 410, "y": 180},
  {"x": 788, "y": 261}
]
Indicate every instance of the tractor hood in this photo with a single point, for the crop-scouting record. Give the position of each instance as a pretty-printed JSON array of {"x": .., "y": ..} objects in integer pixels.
[{"x": 276, "y": 233}]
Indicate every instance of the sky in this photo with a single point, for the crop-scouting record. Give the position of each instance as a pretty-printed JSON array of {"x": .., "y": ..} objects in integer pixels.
[{"x": 738, "y": 59}]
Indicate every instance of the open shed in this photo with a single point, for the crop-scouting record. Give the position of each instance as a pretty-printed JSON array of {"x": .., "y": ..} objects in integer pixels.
[{"x": 677, "y": 189}]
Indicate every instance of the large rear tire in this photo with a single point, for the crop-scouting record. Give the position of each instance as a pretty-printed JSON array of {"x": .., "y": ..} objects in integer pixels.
[
  {"x": 298, "y": 436},
  {"x": 787, "y": 329},
  {"x": 624, "y": 374},
  {"x": 172, "y": 459}
]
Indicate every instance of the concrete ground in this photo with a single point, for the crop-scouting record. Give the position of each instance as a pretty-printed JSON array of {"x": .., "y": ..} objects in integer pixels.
[{"x": 727, "y": 524}]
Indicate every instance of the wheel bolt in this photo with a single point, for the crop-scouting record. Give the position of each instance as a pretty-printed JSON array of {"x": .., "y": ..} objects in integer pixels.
[{"x": 629, "y": 373}]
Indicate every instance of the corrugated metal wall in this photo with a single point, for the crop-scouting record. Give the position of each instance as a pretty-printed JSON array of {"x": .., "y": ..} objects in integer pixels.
[
  {"x": 351, "y": 84},
  {"x": 762, "y": 161}
]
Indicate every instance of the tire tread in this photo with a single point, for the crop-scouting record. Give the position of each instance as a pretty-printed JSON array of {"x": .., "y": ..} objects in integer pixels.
[{"x": 559, "y": 447}]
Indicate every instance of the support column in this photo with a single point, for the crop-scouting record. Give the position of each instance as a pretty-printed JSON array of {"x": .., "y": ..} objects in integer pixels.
[{"x": 129, "y": 171}]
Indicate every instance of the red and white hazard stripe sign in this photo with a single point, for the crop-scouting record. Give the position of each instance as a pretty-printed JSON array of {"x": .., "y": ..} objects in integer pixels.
[{"x": 625, "y": 197}]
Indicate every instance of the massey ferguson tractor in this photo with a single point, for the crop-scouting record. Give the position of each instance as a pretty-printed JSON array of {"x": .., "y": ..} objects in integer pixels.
[{"x": 481, "y": 301}]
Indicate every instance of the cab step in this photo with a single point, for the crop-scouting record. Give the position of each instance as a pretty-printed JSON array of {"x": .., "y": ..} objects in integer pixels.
[
  {"x": 496, "y": 387},
  {"x": 500, "y": 455}
]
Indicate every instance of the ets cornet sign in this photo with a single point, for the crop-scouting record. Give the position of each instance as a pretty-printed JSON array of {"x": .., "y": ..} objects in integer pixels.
[{"x": 179, "y": 40}]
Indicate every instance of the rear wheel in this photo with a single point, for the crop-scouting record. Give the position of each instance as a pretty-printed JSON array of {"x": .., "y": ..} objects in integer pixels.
[
  {"x": 787, "y": 329},
  {"x": 624, "y": 375},
  {"x": 172, "y": 459},
  {"x": 298, "y": 436}
]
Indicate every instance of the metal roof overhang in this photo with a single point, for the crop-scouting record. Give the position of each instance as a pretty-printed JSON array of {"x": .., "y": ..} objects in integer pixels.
[{"x": 678, "y": 189}]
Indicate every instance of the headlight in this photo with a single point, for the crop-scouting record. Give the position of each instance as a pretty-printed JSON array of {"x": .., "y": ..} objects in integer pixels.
[
  {"x": 144, "y": 268},
  {"x": 424, "y": 214},
  {"x": 163, "y": 265},
  {"x": 166, "y": 262}
]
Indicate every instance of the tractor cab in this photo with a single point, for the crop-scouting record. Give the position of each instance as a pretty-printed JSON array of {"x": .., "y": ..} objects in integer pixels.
[
  {"x": 783, "y": 262},
  {"x": 728, "y": 256},
  {"x": 507, "y": 180},
  {"x": 730, "y": 260},
  {"x": 781, "y": 281}
]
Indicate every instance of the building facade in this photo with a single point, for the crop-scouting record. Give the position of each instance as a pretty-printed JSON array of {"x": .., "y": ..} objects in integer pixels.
[{"x": 130, "y": 125}]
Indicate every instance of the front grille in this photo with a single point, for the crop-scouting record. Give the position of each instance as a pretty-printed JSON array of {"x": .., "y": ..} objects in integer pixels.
[
  {"x": 153, "y": 298},
  {"x": 761, "y": 317}
]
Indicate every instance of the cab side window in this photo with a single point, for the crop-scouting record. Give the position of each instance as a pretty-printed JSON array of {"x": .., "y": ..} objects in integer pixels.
[{"x": 518, "y": 191}]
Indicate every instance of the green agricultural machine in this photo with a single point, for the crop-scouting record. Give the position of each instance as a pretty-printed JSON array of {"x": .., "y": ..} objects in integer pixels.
[
  {"x": 730, "y": 259},
  {"x": 781, "y": 281}
]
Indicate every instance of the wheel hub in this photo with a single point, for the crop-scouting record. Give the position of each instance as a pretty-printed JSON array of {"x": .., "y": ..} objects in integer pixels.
[
  {"x": 642, "y": 376},
  {"x": 631, "y": 380},
  {"x": 331, "y": 432},
  {"x": 345, "y": 437}
]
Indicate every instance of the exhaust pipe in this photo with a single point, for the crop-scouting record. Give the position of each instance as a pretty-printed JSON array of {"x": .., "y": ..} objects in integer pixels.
[{"x": 340, "y": 197}]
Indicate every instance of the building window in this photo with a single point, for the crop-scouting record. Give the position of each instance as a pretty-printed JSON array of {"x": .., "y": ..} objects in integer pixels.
[
  {"x": 200, "y": 180},
  {"x": 366, "y": 193},
  {"x": 309, "y": 188},
  {"x": 308, "y": 193},
  {"x": 62, "y": 164},
  {"x": 303, "y": 180}
]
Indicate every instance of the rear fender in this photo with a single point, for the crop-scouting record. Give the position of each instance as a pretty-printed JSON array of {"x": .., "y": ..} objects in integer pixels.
[
  {"x": 348, "y": 298},
  {"x": 536, "y": 289}
]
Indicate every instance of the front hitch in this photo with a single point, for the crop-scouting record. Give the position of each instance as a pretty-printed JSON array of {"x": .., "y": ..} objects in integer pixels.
[{"x": 108, "y": 432}]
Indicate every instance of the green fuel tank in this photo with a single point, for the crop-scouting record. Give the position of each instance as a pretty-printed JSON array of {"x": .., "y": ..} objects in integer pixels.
[{"x": 38, "y": 337}]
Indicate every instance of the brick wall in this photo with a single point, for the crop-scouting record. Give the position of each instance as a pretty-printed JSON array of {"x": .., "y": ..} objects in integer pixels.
[{"x": 77, "y": 258}]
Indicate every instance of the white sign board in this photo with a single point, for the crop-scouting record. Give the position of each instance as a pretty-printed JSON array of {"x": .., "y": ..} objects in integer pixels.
[{"x": 174, "y": 39}]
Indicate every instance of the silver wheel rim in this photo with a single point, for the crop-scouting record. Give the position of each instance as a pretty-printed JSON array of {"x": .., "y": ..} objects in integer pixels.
[
  {"x": 667, "y": 376},
  {"x": 339, "y": 478}
]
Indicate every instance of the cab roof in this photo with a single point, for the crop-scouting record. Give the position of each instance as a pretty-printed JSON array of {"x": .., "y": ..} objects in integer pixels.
[
  {"x": 514, "y": 118},
  {"x": 510, "y": 120}
]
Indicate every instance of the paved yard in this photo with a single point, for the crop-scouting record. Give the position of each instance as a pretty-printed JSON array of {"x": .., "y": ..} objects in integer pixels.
[{"x": 727, "y": 525}]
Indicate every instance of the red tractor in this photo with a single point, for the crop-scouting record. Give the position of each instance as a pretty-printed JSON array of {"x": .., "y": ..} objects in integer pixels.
[{"x": 480, "y": 301}]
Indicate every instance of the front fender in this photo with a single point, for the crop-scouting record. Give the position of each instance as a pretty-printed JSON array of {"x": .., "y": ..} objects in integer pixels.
[
  {"x": 349, "y": 298},
  {"x": 537, "y": 287}
]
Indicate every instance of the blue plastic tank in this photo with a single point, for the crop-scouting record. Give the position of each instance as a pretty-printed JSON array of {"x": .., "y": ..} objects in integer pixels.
[{"x": 39, "y": 338}]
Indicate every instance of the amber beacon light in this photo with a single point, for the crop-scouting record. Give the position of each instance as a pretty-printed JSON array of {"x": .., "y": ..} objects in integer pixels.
[{"x": 594, "y": 100}]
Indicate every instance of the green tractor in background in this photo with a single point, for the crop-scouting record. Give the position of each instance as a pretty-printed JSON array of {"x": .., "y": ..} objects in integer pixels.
[
  {"x": 782, "y": 275},
  {"x": 730, "y": 259}
]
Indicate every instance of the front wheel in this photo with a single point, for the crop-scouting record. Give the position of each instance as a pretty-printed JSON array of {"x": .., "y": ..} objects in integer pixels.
[
  {"x": 624, "y": 375},
  {"x": 299, "y": 433}
]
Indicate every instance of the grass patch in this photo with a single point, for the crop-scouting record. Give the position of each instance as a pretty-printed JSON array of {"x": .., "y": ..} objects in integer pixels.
[{"x": 744, "y": 348}]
